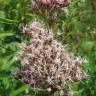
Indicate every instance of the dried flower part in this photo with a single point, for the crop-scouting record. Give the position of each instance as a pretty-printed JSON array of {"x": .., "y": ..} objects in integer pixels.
[{"x": 45, "y": 63}]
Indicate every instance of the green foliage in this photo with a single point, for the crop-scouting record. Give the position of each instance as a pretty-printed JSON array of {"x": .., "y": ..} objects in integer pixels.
[{"x": 78, "y": 27}]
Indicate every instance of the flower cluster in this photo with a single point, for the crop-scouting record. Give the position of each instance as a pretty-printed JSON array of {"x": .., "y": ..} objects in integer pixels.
[
  {"x": 45, "y": 63},
  {"x": 39, "y": 6},
  {"x": 50, "y": 3},
  {"x": 49, "y": 9}
]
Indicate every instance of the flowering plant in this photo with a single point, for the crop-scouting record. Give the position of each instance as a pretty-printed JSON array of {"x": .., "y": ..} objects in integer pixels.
[
  {"x": 49, "y": 10},
  {"x": 45, "y": 63}
]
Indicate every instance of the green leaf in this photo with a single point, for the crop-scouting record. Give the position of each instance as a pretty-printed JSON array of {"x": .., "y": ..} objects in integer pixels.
[
  {"x": 18, "y": 91},
  {"x": 4, "y": 2},
  {"x": 8, "y": 21},
  {"x": 6, "y": 63},
  {"x": 12, "y": 46},
  {"x": 2, "y": 14},
  {"x": 6, "y": 33},
  {"x": 87, "y": 46}
]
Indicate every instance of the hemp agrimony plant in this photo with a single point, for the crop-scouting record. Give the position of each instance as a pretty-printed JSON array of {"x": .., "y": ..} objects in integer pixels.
[
  {"x": 49, "y": 10},
  {"x": 45, "y": 63}
]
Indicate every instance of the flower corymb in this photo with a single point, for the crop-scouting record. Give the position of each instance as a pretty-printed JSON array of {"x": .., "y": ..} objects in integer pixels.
[{"x": 45, "y": 63}]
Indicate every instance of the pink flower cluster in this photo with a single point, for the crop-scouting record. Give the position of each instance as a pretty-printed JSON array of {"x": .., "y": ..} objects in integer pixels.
[
  {"x": 49, "y": 10},
  {"x": 38, "y": 5},
  {"x": 45, "y": 63},
  {"x": 49, "y": 2}
]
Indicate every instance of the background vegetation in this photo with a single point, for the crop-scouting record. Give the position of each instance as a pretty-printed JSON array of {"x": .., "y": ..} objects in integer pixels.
[{"x": 79, "y": 32}]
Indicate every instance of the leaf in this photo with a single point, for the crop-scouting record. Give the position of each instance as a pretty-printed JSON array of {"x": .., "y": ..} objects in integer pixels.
[
  {"x": 6, "y": 33},
  {"x": 12, "y": 46},
  {"x": 4, "y": 2},
  {"x": 7, "y": 63},
  {"x": 8, "y": 21},
  {"x": 2, "y": 14},
  {"x": 18, "y": 91},
  {"x": 87, "y": 46},
  {"x": 5, "y": 81}
]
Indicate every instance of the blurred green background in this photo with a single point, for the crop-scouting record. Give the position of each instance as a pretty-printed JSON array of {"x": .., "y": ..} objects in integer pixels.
[{"x": 78, "y": 27}]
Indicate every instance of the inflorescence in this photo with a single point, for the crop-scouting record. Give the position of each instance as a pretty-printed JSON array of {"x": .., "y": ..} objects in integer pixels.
[{"x": 45, "y": 63}]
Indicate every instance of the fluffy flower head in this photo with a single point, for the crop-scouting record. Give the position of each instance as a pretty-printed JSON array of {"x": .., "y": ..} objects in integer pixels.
[{"x": 45, "y": 63}]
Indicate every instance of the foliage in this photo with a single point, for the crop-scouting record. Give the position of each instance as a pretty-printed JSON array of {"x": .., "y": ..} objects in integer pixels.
[{"x": 78, "y": 27}]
